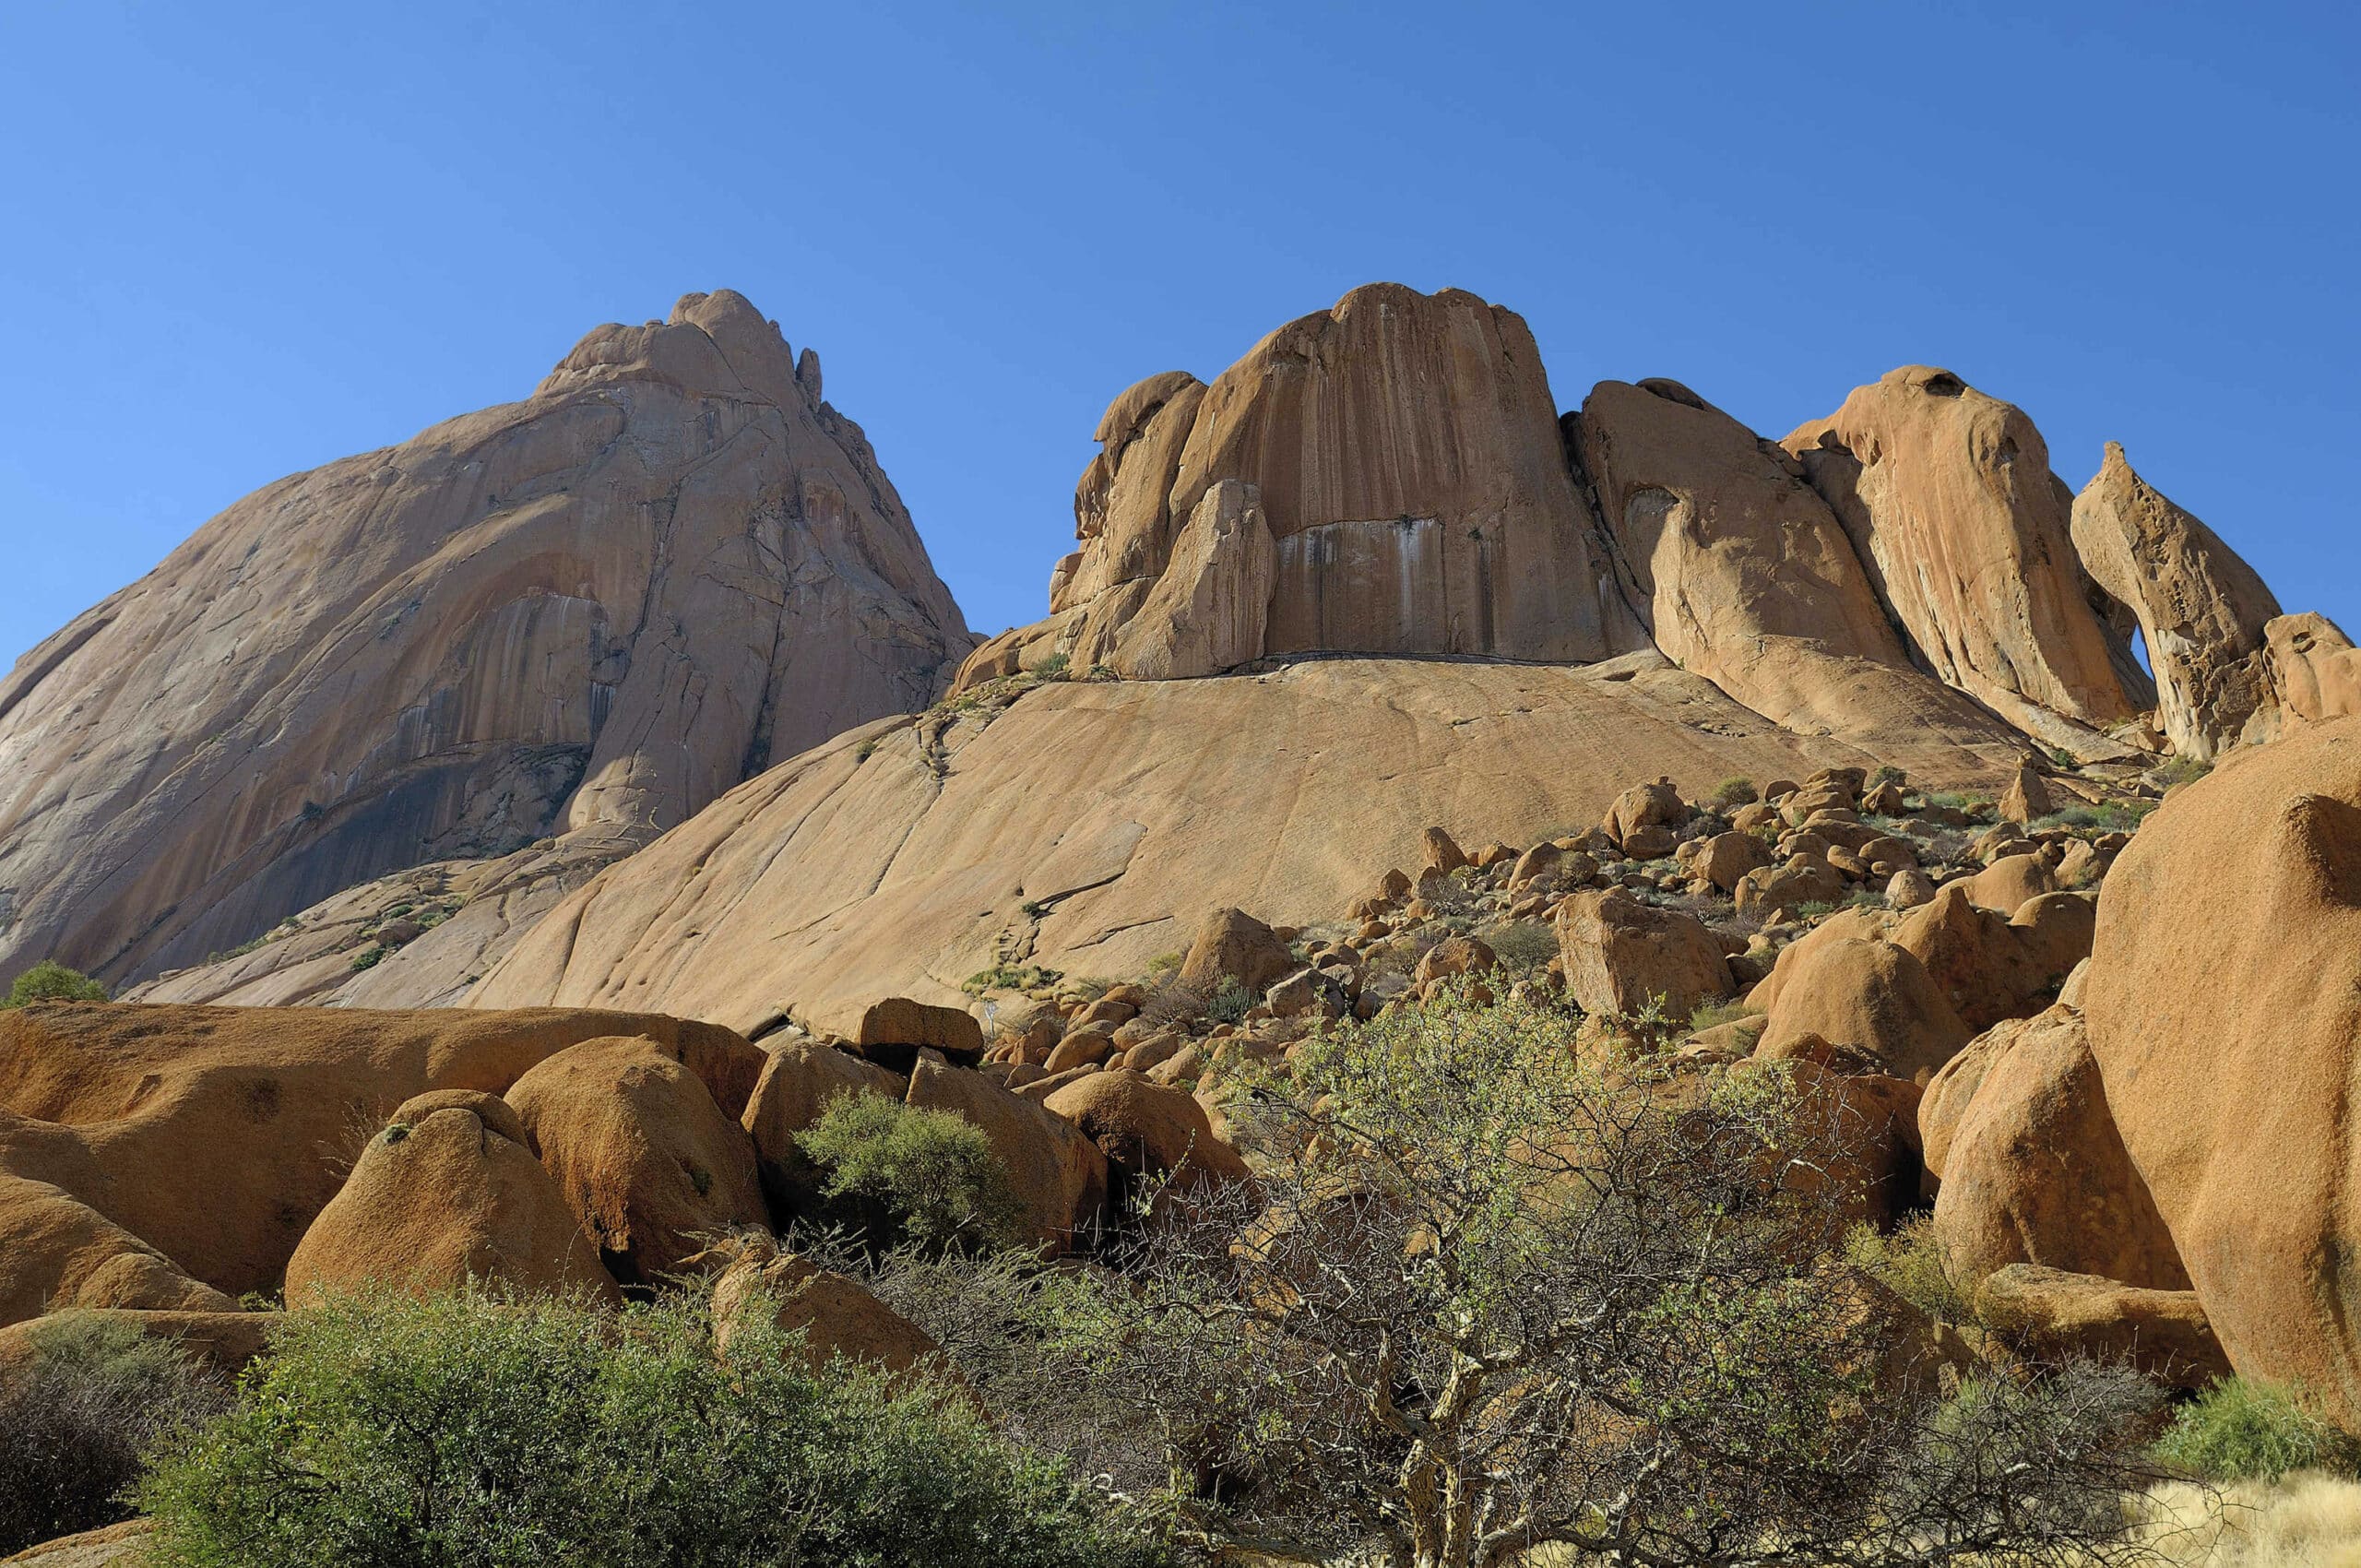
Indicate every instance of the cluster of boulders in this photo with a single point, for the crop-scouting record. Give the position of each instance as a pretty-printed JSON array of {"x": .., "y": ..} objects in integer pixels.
[{"x": 184, "y": 1164}]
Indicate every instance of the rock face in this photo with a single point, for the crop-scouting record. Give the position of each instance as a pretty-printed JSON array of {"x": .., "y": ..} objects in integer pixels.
[
  {"x": 595, "y": 610},
  {"x": 1091, "y": 826},
  {"x": 445, "y": 1194},
  {"x": 1743, "y": 574},
  {"x": 56, "y": 1252},
  {"x": 1404, "y": 451},
  {"x": 2223, "y": 999},
  {"x": 217, "y": 1134},
  {"x": 1948, "y": 497},
  {"x": 2201, "y": 610}
]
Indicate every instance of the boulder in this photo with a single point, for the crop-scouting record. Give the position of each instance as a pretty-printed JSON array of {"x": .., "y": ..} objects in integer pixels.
[
  {"x": 2009, "y": 884},
  {"x": 2201, "y": 610},
  {"x": 1308, "y": 990},
  {"x": 1058, "y": 1174},
  {"x": 1948, "y": 498},
  {"x": 1454, "y": 957},
  {"x": 1083, "y": 1047},
  {"x": 218, "y": 1134},
  {"x": 1444, "y": 853},
  {"x": 1872, "y": 997},
  {"x": 1620, "y": 955},
  {"x": 2224, "y": 1000},
  {"x": 798, "y": 1084},
  {"x": 894, "y": 1031},
  {"x": 1804, "y": 879},
  {"x": 1725, "y": 858},
  {"x": 482, "y": 640},
  {"x": 1989, "y": 966},
  {"x": 1145, "y": 1130},
  {"x": 2035, "y": 1171},
  {"x": 2054, "y": 1312},
  {"x": 442, "y": 1199},
  {"x": 1644, "y": 805},
  {"x": 647, "y": 1163},
  {"x": 56, "y": 1252},
  {"x": 1231, "y": 945},
  {"x": 836, "y": 1316},
  {"x": 222, "y": 1339}
]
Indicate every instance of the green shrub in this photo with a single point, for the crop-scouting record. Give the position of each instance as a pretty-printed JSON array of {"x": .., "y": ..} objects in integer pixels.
[
  {"x": 1908, "y": 1263},
  {"x": 1051, "y": 669},
  {"x": 1886, "y": 773},
  {"x": 468, "y": 1429},
  {"x": 78, "y": 1415},
  {"x": 1712, "y": 1015},
  {"x": 933, "y": 1173},
  {"x": 1732, "y": 792},
  {"x": 368, "y": 958},
  {"x": 1010, "y": 977},
  {"x": 1230, "y": 1002},
  {"x": 2178, "y": 770},
  {"x": 50, "y": 980},
  {"x": 2240, "y": 1430},
  {"x": 1523, "y": 946}
]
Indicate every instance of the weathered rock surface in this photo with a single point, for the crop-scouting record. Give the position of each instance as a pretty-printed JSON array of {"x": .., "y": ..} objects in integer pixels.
[
  {"x": 1621, "y": 957},
  {"x": 2223, "y": 999},
  {"x": 1743, "y": 574},
  {"x": 1869, "y": 996},
  {"x": 443, "y": 1195},
  {"x": 217, "y": 1134},
  {"x": 598, "y": 608},
  {"x": 1948, "y": 497},
  {"x": 2201, "y": 609},
  {"x": 649, "y": 1164},
  {"x": 837, "y": 1315},
  {"x": 2315, "y": 670},
  {"x": 1091, "y": 826}
]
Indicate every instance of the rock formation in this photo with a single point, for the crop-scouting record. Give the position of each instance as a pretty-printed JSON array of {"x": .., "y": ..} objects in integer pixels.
[
  {"x": 1743, "y": 574},
  {"x": 2314, "y": 671},
  {"x": 593, "y": 611},
  {"x": 1949, "y": 500},
  {"x": 1404, "y": 454},
  {"x": 2224, "y": 1000},
  {"x": 2201, "y": 610}
]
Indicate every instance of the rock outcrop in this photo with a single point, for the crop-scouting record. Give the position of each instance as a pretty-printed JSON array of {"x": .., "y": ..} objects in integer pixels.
[
  {"x": 1948, "y": 497},
  {"x": 2224, "y": 1000},
  {"x": 1743, "y": 574},
  {"x": 2315, "y": 670},
  {"x": 1404, "y": 461},
  {"x": 2201, "y": 610},
  {"x": 592, "y": 610}
]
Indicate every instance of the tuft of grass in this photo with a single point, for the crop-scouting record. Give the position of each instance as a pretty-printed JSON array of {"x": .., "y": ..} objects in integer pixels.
[
  {"x": 2244, "y": 1429},
  {"x": 864, "y": 751},
  {"x": 1010, "y": 977},
  {"x": 1229, "y": 1003},
  {"x": 1051, "y": 669},
  {"x": 1735, "y": 792},
  {"x": 1714, "y": 1014},
  {"x": 368, "y": 958}
]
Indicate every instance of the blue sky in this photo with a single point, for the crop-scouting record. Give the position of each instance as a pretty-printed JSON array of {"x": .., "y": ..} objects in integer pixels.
[{"x": 240, "y": 240}]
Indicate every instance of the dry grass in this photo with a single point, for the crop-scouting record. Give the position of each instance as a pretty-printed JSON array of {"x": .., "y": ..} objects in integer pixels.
[{"x": 2305, "y": 1521}]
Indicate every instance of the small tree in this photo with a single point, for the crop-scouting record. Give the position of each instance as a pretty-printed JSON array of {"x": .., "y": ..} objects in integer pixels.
[
  {"x": 50, "y": 980},
  {"x": 1487, "y": 1296}
]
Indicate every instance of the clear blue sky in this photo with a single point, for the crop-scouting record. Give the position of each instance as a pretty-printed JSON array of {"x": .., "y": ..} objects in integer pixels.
[{"x": 240, "y": 240}]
